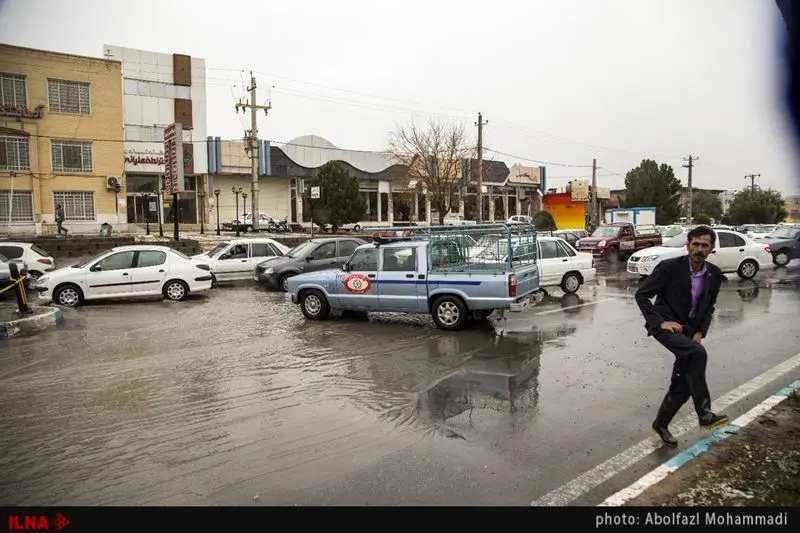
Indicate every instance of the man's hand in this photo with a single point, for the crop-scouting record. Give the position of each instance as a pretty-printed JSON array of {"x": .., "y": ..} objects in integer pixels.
[
  {"x": 697, "y": 337},
  {"x": 674, "y": 327}
]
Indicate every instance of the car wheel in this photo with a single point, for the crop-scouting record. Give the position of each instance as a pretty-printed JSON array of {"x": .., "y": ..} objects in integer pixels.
[
  {"x": 68, "y": 296},
  {"x": 748, "y": 269},
  {"x": 571, "y": 283},
  {"x": 357, "y": 227},
  {"x": 449, "y": 313},
  {"x": 285, "y": 282},
  {"x": 314, "y": 305},
  {"x": 782, "y": 257},
  {"x": 248, "y": 229},
  {"x": 176, "y": 290}
]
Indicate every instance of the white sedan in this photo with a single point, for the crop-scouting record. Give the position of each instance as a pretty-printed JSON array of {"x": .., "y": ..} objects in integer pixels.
[
  {"x": 734, "y": 253},
  {"x": 124, "y": 272},
  {"x": 560, "y": 265},
  {"x": 237, "y": 259}
]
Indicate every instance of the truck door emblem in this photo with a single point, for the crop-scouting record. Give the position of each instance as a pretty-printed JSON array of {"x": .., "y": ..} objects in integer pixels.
[{"x": 357, "y": 283}]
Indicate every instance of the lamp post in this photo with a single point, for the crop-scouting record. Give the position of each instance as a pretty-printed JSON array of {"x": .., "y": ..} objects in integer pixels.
[
  {"x": 237, "y": 192},
  {"x": 244, "y": 208},
  {"x": 202, "y": 213},
  {"x": 160, "y": 208},
  {"x": 217, "y": 192},
  {"x": 146, "y": 210}
]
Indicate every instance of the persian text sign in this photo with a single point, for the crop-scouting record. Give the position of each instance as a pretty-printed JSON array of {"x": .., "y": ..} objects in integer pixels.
[
  {"x": 173, "y": 151},
  {"x": 21, "y": 112}
]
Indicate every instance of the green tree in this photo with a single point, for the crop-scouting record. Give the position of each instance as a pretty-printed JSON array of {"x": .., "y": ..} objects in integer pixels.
[
  {"x": 654, "y": 185},
  {"x": 702, "y": 218},
  {"x": 544, "y": 221},
  {"x": 757, "y": 206},
  {"x": 707, "y": 205},
  {"x": 340, "y": 202}
]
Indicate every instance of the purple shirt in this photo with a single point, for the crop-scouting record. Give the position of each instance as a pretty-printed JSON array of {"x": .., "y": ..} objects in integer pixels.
[{"x": 697, "y": 286}]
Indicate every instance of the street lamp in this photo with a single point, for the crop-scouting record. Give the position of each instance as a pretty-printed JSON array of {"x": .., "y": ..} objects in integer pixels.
[
  {"x": 146, "y": 211},
  {"x": 237, "y": 192},
  {"x": 217, "y": 192},
  {"x": 244, "y": 207},
  {"x": 202, "y": 212}
]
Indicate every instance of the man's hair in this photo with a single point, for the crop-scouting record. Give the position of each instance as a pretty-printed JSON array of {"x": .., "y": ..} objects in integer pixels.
[{"x": 699, "y": 231}]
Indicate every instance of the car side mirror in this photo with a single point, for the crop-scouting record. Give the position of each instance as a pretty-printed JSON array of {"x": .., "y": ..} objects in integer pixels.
[
  {"x": 345, "y": 267},
  {"x": 97, "y": 268}
]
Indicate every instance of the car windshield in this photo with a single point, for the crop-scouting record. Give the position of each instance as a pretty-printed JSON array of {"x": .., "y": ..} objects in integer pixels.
[
  {"x": 180, "y": 254},
  {"x": 671, "y": 232},
  {"x": 301, "y": 249},
  {"x": 678, "y": 241},
  {"x": 785, "y": 233},
  {"x": 605, "y": 231}
]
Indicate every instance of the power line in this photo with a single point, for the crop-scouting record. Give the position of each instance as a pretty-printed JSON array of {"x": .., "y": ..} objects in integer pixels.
[{"x": 752, "y": 178}]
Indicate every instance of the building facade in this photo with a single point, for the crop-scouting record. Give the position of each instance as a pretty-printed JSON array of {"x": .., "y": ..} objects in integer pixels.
[
  {"x": 391, "y": 197},
  {"x": 60, "y": 140},
  {"x": 792, "y": 203},
  {"x": 158, "y": 90}
]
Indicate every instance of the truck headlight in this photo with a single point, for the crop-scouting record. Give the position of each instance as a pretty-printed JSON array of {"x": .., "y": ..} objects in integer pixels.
[
  {"x": 269, "y": 271},
  {"x": 601, "y": 244}
]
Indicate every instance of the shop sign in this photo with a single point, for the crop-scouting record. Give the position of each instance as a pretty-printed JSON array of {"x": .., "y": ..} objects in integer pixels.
[
  {"x": 21, "y": 112},
  {"x": 145, "y": 157}
]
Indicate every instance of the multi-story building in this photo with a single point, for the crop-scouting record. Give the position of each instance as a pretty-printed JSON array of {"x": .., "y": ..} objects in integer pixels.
[
  {"x": 60, "y": 140},
  {"x": 161, "y": 89},
  {"x": 792, "y": 203}
]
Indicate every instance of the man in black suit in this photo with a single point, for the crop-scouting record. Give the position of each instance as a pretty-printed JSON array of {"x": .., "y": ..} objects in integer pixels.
[{"x": 686, "y": 290}]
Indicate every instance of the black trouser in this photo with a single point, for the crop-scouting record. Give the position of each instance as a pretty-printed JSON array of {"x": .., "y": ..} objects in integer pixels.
[
  {"x": 60, "y": 227},
  {"x": 688, "y": 376}
]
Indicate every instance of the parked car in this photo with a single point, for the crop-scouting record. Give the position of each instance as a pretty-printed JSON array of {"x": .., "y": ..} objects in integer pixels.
[
  {"x": 126, "y": 271},
  {"x": 327, "y": 228},
  {"x": 733, "y": 252},
  {"x": 572, "y": 236},
  {"x": 560, "y": 265},
  {"x": 310, "y": 256},
  {"x": 36, "y": 260},
  {"x": 457, "y": 219},
  {"x": 246, "y": 222},
  {"x": 618, "y": 241},
  {"x": 784, "y": 243},
  {"x": 237, "y": 259},
  {"x": 519, "y": 219}
]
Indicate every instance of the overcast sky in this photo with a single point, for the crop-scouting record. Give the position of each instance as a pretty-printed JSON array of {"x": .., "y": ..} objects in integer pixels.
[{"x": 559, "y": 81}]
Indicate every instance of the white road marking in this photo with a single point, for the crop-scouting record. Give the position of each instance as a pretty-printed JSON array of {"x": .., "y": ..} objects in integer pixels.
[
  {"x": 608, "y": 469},
  {"x": 651, "y": 478},
  {"x": 562, "y": 309}
]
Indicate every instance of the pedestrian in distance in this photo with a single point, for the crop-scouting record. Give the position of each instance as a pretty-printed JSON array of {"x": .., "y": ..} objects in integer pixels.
[
  {"x": 60, "y": 218},
  {"x": 685, "y": 290}
]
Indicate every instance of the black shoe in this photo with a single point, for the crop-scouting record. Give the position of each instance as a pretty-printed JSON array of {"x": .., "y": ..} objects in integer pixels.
[
  {"x": 710, "y": 420},
  {"x": 664, "y": 434}
]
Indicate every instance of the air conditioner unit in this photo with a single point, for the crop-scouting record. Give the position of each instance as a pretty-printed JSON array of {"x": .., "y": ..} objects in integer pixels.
[{"x": 113, "y": 182}]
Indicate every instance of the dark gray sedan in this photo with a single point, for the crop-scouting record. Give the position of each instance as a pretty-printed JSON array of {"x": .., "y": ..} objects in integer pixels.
[
  {"x": 310, "y": 256},
  {"x": 784, "y": 243}
]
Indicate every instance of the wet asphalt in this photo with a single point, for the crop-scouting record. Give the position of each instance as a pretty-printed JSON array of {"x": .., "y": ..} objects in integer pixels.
[{"x": 232, "y": 398}]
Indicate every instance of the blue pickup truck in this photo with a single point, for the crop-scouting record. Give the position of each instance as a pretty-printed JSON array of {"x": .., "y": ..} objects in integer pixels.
[{"x": 425, "y": 270}]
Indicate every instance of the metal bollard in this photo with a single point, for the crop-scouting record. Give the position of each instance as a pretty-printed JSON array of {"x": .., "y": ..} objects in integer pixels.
[{"x": 19, "y": 289}]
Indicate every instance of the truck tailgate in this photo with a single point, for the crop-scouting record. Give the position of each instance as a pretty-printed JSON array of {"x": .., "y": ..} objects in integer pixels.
[{"x": 527, "y": 278}]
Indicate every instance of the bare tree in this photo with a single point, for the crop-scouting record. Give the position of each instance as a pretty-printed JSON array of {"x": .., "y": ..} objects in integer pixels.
[{"x": 433, "y": 156}]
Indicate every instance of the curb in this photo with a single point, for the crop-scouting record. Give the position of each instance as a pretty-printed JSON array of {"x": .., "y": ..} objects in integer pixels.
[
  {"x": 701, "y": 447},
  {"x": 43, "y": 318}
]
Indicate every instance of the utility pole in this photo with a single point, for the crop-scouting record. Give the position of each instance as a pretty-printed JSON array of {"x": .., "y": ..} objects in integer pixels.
[
  {"x": 594, "y": 215},
  {"x": 689, "y": 195},
  {"x": 480, "y": 125},
  {"x": 752, "y": 178},
  {"x": 251, "y": 145}
]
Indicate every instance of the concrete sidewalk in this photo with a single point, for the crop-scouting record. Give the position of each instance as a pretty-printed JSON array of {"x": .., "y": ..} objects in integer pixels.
[{"x": 13, "y": 324}]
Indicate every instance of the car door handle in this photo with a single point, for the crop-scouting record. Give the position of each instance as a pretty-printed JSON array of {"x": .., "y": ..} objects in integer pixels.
[
  {"x": 244, "y": 260},
  {"x": 741, "y": 249},
  {"x": 409, "y": 275},
  {"x": 371, "y": 276},
  {"x": 421, "y": 276},
  {"x": 161, "y": 271},
  {"x": 124, "y": 273},
  {"x": 564, "y": 260}
]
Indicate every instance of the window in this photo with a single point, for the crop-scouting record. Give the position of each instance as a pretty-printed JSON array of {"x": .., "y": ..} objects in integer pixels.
[
  {"x": 566, "y": 250},
  {"x": 365, "y": 260},
  {"x": 71, "y": 156},
  {"x": 12, "y": 90},
  {"x": 11, "y": 252},
  {"x": 70, "y": 97},
  {"x": 551, "y": 250},
  {"x": 237, "y": 251},
  {"x": 325, "y": 251},
  {"x": 399, "y": 260},
  {"x": 261, "y": 249},
  {"x": 78, "y": 205},
  {"x": 346, "y": 248},
  {"x": 729, "y": 240},
  {"x": 14, "y": 153},
  {"x": 118, "y": 261},
  {"x": 18, "y": 203},
  {"x": 151, "y": 258}
]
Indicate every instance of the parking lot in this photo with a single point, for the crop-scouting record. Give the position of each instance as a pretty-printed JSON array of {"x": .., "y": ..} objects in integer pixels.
[{"x": 232, "y": 398}]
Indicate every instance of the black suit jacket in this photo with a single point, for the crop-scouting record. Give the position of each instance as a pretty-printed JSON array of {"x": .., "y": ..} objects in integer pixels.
[{"x": 671, "y": 284}]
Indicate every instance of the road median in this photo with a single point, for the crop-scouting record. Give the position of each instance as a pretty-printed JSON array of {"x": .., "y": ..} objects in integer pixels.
[{"x": 14, "y": 324}]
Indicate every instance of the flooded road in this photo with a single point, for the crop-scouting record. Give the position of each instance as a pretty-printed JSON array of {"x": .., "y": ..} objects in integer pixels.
[{"x": 232, "y": 398}]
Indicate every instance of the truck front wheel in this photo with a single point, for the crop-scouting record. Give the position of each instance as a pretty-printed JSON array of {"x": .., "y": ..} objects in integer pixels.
[
  {"x": 449, "y": 313},
  {"x": 613, "y": 255}
]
